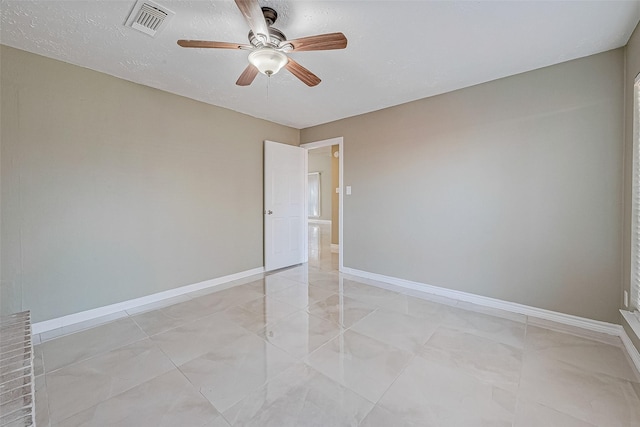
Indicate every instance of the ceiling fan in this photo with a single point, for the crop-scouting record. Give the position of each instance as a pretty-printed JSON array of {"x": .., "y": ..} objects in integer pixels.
[{"x": 269, "y": 46}]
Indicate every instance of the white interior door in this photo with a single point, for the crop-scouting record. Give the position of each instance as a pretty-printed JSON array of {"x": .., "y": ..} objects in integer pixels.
[{"x": 284, "y": 207}]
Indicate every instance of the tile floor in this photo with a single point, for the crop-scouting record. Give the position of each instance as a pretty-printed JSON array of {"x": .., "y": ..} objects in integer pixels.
[{"x": 310, "y": 347}]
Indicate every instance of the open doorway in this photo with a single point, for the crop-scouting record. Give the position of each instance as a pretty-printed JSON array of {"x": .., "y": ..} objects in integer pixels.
[{"x": 324, "y": 203}]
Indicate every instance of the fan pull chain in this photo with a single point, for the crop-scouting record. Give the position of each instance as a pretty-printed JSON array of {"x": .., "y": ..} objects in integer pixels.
[{"x": 268, "y": 84}]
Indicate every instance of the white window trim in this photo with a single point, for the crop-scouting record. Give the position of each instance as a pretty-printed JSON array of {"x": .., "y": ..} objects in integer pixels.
[{"x": 635, "y": 218}]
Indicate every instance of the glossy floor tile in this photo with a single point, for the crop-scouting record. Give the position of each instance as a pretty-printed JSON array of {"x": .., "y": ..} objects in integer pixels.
[
  {"x": 530, "y": 414},
  {"x": 166, "y": 401},
  {"x": 167, "y": 318},
  {"x": 308, "y": 346},
  {"x": 499, "y": 329},
  {"x": 341, "y": 309},
  {"x": 42, "y": 402},
  {"x": 589, "y": 396},
  {"x": 583, "y": 353},
  {"x": 488, "y": 361},
  {"x": 272, "y": 283},
  {"x": 416, "y": 307},
  {"x": 194, "y": 339},
  {"x": 381, "y": 417},
  {"x": 363, "y": 364},
  {"x": 82, "y": 385},
  {"x": 301, "y": 396},
  {"x": 430, "y": 394},
  {"x": 399, "y": 330},
  {"x": 366, "y": 293},
  {"x": 300, "y": 333},
  {"x": 80, "y": 346},
  {"x": 257, "y": 314},
  {"x": 226, "y": 375},
  {"x": 301, "y": 295}
]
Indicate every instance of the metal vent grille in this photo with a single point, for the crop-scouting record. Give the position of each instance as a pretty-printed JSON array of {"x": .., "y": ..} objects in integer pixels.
[{"x": 148, "y": 17}]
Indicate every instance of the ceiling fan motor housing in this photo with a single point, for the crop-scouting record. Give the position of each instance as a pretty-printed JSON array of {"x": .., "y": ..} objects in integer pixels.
[{"x": 277, "y": 38}]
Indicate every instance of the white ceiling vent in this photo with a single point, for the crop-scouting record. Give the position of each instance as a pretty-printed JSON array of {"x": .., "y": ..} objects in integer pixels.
[{"x": 148, "y": 17}]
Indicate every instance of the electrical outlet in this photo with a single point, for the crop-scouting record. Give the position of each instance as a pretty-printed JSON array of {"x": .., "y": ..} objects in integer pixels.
[{"x": 626, "y": 299}]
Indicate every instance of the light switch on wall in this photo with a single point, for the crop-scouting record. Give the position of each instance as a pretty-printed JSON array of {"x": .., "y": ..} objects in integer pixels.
[
  {"x": 338, "y": 190},
  {"x": 348, "y": 190}
]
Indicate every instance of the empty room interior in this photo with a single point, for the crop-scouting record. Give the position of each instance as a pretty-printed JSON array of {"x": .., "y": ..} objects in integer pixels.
[{"x": 362, "y": 213}]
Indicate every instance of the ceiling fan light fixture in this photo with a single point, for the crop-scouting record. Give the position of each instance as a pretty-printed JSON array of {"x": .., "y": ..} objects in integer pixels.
[
  {"x": 268, "y": 61},
  {"x": 269, "y": 46}
]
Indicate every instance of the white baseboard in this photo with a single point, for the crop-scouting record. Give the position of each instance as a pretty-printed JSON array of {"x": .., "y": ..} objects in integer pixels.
[
  {"x": 632, "y": 351},
  {"x": 319, "y": 221},
  {"x": 335, "y": 248},
  {"x": 634, "y": 323},
  {"x": 554, "y": 316},
  {"x": 567, "y": 319},
  {"x": 95, "y": 313}
]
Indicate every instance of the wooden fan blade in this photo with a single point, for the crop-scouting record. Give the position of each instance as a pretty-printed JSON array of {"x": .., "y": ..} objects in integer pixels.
[
  {"x": 306, "y": 76},
  {"x": 319, "y": 42},
  {"x": 252, "y": 13},
  {"x": 214, "y": 45},
  {"x": 247, "y": 76}
]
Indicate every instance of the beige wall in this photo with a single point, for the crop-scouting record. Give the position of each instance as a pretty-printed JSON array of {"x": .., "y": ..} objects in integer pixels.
[
  {"x": 632, "y": 69},
  {"x": 320, "y": 161},
  {"x": 112, "y": 190},
  {"x": 510, "y": 189}
]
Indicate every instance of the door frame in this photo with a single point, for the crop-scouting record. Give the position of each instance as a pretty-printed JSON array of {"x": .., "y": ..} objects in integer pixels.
[{"x": 339, "y": 141}]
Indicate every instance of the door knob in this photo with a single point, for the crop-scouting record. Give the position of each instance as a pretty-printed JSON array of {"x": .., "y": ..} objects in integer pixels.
[{"x": 269, "y": 212}]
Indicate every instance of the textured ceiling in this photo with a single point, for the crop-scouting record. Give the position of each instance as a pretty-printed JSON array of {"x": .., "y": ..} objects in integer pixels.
[{"x": 398, "y": 51}]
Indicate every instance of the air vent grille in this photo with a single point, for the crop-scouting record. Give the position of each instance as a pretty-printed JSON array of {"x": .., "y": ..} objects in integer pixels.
[{"x": 148, "y": 17}]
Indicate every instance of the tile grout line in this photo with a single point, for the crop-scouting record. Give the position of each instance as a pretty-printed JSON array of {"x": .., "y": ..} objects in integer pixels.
[
  {"x": 102, "y": 353},
  {"x": 518, "y": 392}
]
